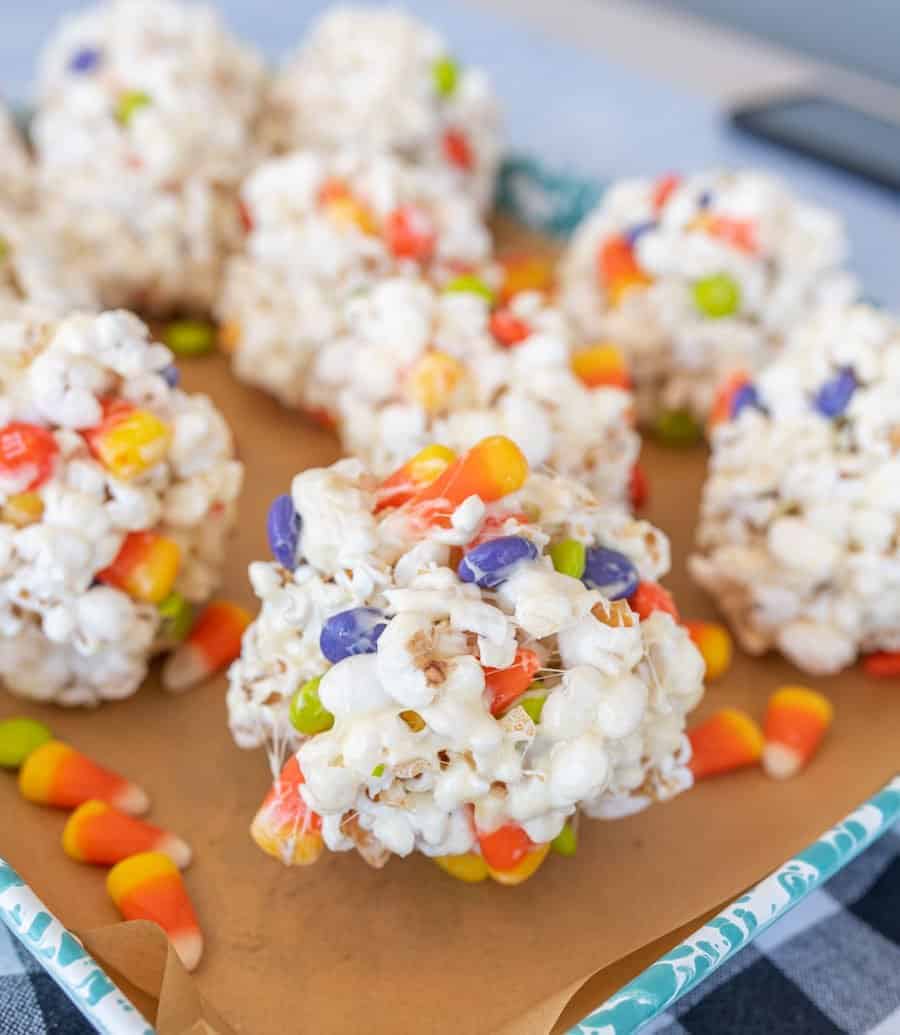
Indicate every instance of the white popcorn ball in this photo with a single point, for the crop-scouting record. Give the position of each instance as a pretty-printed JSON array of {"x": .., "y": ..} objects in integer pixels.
[
  {"x": 700, "y": 276},
  {"x": 382, "y": 80},
  {"x": 145, "y": 126},
  {"x": 93, "y": 566},
  {"x": 465, "y": 700},
  {"x": 799, "y": 537}
]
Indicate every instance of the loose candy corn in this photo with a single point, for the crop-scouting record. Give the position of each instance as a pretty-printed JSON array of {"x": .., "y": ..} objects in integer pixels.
[
  {"x": 145, "y": 567},
  {"x": 19, "y": 738},
  {"x": 128, "y": 441},
  {"x": 285, "y": 827},
  {"x": 714, "y": 643},
  {"x": 728, "y": 740},
  {"x": 58, "y": 775},
  {"x": 421, "y": 470},
  {"x": 882, "y": 664},
  {"x": 796, "y": 721},
  {"x": 98, "y": 833},
  {"x": 213, "y": 643},
  {"x": 148, "y": 886}
]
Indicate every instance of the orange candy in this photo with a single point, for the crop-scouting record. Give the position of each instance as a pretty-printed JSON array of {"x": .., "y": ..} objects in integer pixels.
[
  {"x": 796, "y": 721},
  {"x": 505, "y": 847},
  {"x": 883, "y": 664},
  {"x": 728, "y": 740},
  {"x": 28, "y": 455},
  {"x": 664, "y": 188},
  {"x": 98, "y": 833},
  {"x": 213, "y": 642},
  {"x": 650, "y": 597},
  {"x": 411, "y": 233},
  {"x": 638, "y": 487},
  {"x": 145, "y": 567},
  {"x": 415, "y": 474},
  {"x": 525, "y": 272},
  {"x": 58, "y": 775},
  {"x": 507, "y": 328},
  {"x": 506, "y": 685},
  {"x": 285, "y": 827},
  {"x": 601, "y": 366},
  {"x": 148, "y": 886},
  {"x": 739, "y": 233},
  {"x": 528, "y": 865},
  {"x": 458, "y": 150},
  {"x": 618, "y": 269}
]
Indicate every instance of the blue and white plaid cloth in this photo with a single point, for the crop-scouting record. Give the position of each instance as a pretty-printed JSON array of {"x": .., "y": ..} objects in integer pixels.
[{"x": 830, "y": 967}]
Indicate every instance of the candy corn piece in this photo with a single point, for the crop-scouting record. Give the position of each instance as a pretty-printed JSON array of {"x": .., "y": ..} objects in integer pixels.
[
  {"x": 414, "y": 475},
  {"x": 506, "y": 685},
  {"x": 469, "y": 867},
  {"x": 618, "y": 269},
  {"x": 523, "y": 272},
  {"x": 491, "y": 469},
  {"x": 528, "y": 866},
  {"x": 796, "y": 721},
  {"x": 285, "y": 827},
  {"x": 148, "y": 886},
  {"x": 601, "y": 366},
  {"x": 98, "y": 833},
  {"x": 56, "y": 774},
  {"x": 433, "y": 380},
  {"x": 213, "y": 643},
  {"x": 728, "y": 740},
  {"x": 883, "y": 664},
  {"x": 728, "y": 398},
  {"x": 714, "y": 643},
  {"x": 145, "y": 567},
  {"x": 510, "y": 854},
  {"x": 28, "y": 454},
  {"x": 128, "y": 441}
]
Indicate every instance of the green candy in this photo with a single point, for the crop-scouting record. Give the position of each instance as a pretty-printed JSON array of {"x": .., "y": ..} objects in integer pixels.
[
  {"x": 533, "y": 706},
  {"x": 18, "y": 738},
  {"x": 568, "y": 557},
  {"x": 566, "y": 841},
  {"x": 717, "y": 296},
  {"x": 177, "y": 615},
  {"x": 470, "y": 283},
  {"x": 190, "y": 337},
  {"x": 308, "y": 714},
  {"x": 446, "y": 75},
  {"x": 130, "y": 102},
  {"x": 378, "y": 770},
  {"x": 678, "y": 428}
]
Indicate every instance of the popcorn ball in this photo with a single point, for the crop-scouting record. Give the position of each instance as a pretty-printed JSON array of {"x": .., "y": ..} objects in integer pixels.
[
  {"x": 415, "y": 363},
  {"x": 117, "y": 492},
  {"x": 694, "y": 277},
  {"x": 383, "y": 80},
  {"x": 145, "y": 126},
  {"x": 321, "y": 228},
  {"x": 799, "y": 535},
  {"x": 452, "y": 665}
]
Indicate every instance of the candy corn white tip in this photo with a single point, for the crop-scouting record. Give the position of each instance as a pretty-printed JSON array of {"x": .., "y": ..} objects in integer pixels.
[
  {"x": 189, "y": 947},
  {"x": 177, "y": 850},
  {"x": 184, "y": 670},
  {"x": 780, "y": 762},
  {"x": 132, "y": 799}
]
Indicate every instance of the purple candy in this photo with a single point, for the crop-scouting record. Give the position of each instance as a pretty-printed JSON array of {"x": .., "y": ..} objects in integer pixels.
[
  {"x": 351, "y": 632},
  {"x": 171, "y": 375},
  {"x": 85, "y": 60},
  {"x": 283, "y": 526},
  {"x": 636, "y": 231},
  {"x": 490, "y": 564},
  {"x": 745, "y": 396},
  {"x": 611, "y": 572},
  {"x": 834, "y": 396},
  {"x": 705, "y": 199}
]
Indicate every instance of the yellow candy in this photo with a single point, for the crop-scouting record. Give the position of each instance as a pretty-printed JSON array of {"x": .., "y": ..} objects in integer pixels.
[
  {"x": 526, "y": 868},
  {"x": 428, "y": 463},
  {"x": 601, "y": 366},
  {"x": 128, "y": 441},
  {"x": 714, "y": 643},
  {"x": 23, "y": 509},
  {"x": 470, "y": 867},
  {"x": 348, "y": 212},
  {"x": 433, "y": 379}
]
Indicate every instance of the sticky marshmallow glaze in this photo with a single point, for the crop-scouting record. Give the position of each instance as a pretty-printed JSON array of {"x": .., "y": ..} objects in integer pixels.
[
  {"x": 145, "y": 126},
  {"x": 322, "y": 228},
  {"x": 696, "y": 276},
  {"x": 440, "y": 679},
  {"x": 800, "y": 523},
  {"x": 415, "y": 363},
  {"x": 384, "y": 81},
  {"x": 118, "y": 490}
]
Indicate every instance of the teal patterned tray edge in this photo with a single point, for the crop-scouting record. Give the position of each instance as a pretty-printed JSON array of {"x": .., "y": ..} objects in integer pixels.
[
  {"x": 548, "y": 200},
  {"x": 663, "y": 983},
  {"x": 65, "y": 959}
]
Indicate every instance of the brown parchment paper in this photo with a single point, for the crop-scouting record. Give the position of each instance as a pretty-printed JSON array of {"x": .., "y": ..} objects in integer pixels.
[{"x": 339, "y": 947}]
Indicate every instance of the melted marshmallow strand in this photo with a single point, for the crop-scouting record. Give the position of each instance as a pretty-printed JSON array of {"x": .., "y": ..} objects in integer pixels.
[
  {"x": 117, "y": 491},
  {"x": 415, "y": 364},
  {"x": 467, "y": 685},
  {"x": 799, "y": 538},
  {"x": 145, "y": 126},
  {"x": 694, "y": 277},
  {"x": 384, "y": 81},
  {"x": 323, "y": 227}
]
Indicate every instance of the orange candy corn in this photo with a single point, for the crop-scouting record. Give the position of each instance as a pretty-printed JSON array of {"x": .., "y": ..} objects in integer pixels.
[
  {"x": 145, "y": 567},
  {"x": 663, "y": 189},
  {"x": 714, "y": 643},
  {"x": 524, "y": 869},
  {"x": 213, "y": 643},
  {"x": 285, "y": 827},
  {"x": 415, "y": 474},
  {"x": 506, "y": 685},
  {"x": 128, "y": 441},
  {"x": 601, "y": 366},
  {"x": 883, "y": 664},
  {"x": 728, "y": 740},
  {"x": 796, "y": 721},
  {"x": 56, "y": 774},
  {"x": 650, "y": 597},
  {"x": 148, "y": 886},
  {"x": 524, "y": 272},
  {"x": 98, "y": 833},
  {"x": 491, "y": 469}
]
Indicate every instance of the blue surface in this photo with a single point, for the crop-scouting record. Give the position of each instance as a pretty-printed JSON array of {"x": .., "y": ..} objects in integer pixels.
[{"x": 585, "y": 115}]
